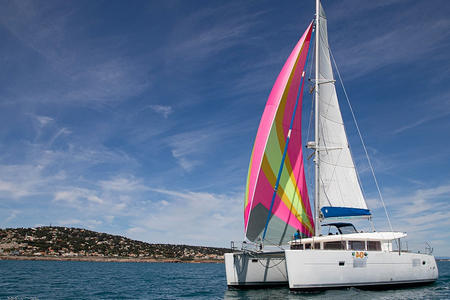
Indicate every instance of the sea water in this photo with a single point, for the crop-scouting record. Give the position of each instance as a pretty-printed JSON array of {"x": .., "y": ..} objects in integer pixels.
[{"x": 20, "y": 280}]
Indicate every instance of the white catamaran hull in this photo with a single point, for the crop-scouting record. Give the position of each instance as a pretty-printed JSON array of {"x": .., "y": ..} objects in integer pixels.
[
  {"x": 316, "y": 269},
  {"x": 247, "y": 269}
]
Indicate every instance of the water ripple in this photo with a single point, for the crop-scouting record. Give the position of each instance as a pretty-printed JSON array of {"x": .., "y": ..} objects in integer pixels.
[{"x": 96, "y": 280}]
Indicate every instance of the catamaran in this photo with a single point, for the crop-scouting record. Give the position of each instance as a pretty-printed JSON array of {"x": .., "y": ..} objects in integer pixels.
[{"x": 277, "y": 205}]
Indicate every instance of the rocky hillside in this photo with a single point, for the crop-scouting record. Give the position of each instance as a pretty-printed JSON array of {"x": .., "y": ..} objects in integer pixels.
[{"x": 76, "y": 242}]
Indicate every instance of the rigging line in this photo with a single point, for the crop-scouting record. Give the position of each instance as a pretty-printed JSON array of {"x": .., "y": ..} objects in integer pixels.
[
  {"x": 333, "y": 175},
  {"x": 274, "y": 244},
  {"x": 325, "y": 192},
  {"x": 356, "y": 171},
  {"x": 312, "y": 98},
  {"x": 299, "y": 95},
  {"x": 310, "y": 119},
  {"x": 312, "y": 59},
  {"x": 267, "y": 266},
  {"x": 362, "y": 142},
  {"x": 309, "y": 164}
]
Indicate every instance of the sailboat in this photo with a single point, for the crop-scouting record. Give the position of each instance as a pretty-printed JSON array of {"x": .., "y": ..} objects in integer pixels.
[{"x": 284, "y": 243}]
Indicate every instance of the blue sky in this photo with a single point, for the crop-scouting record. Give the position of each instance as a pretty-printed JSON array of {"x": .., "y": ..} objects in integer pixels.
[{"x": 138, "y": 118}]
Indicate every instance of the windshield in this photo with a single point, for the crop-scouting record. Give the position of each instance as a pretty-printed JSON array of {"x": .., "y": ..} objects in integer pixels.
[{"x": 345, "y": 229}]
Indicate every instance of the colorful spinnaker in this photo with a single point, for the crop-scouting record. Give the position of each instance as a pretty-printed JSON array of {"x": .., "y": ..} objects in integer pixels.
[{"x": 290, "y": 208}]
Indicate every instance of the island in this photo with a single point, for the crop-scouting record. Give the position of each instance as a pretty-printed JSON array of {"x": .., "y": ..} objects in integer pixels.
[{"x": 66, "y": 243}]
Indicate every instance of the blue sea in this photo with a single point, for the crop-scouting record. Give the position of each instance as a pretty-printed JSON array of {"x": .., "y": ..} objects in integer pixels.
[{"x": 26, "y": 280}]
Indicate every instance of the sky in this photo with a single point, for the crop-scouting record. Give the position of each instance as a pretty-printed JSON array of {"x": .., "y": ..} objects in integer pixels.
[{"x": 138, "y": 117}]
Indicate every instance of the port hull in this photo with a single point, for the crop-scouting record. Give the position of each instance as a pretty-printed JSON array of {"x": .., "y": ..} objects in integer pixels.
[
  {"x": 256, "y": 270},
  {"x": 330, "y": 269}
]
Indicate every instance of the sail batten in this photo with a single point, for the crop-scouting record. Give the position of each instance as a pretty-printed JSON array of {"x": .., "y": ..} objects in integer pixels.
[{"x": 291, "y": 210}]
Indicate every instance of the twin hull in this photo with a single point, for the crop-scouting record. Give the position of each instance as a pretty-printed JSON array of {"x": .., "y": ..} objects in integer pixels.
[
  {"x": 248, "y": 269},
  {"x": 315, "y": 269}
]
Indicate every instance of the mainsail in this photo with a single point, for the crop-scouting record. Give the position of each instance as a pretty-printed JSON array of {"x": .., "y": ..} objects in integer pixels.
[
  {"x": 339, "y": 190},
  {"x": 291, "y": 210}
]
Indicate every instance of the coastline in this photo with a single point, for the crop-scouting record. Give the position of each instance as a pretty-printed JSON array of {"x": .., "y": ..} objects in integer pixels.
[{"x": 109, "y": 259}]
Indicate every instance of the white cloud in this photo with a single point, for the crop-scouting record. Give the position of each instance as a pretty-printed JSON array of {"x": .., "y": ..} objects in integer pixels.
[
  {"x": 44, "y": 120},
  {"x": 197, "y": 218},
  {"x": 422, "y": 213},
  {"x": 13, "y": 214},
  {"x": 122, "y": 184},
  {"x": 76, "y": 196},
  {"x": 135, "y": 230},
  {"x": 186, "y": 147},
  {"x": 60, "y": 132},
  {"x": 68, "y": 222},
  {"x": 13, "y": 189},
  {"x": 91, "y": 223},
  {"x": 163, "y": 110},
  {"x": 19, "y": 181},
  {"x": 164, "y": 203}
]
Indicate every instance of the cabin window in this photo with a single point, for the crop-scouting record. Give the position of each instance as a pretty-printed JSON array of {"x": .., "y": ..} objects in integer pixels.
[
  {"x": 296, "y": 246},
  {"x": 307, "y": 246},
  {"x": 356, "y": 245},
  {"x": 374, "y": 245},
  {"x": 317, "y": 246},
  {"x": 339, "y": 245}
]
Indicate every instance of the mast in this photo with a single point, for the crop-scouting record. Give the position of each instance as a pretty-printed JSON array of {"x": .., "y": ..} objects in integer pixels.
[{"x": 316, "y": 127}]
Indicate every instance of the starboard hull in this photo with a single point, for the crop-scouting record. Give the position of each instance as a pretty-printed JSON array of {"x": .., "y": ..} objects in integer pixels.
[
  {"x": 253, "y": 270},
  {"x": 328, "y": 269}
]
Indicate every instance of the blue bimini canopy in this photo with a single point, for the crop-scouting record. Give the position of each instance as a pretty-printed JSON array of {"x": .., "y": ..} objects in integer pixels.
[{"x": 335, "y": 212}]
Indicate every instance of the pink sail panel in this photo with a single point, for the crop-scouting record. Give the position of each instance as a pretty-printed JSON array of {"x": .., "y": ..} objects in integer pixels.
[{"x": 291, "y": 209}]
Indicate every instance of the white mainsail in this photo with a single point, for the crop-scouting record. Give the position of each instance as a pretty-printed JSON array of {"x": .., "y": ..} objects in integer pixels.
[{"x": 339, "y": 189}]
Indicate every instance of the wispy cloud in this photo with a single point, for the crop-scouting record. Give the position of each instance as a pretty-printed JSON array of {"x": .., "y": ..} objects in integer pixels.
[
  {"x": 86, "y": 71},
  {"x": 397, "y": 41},
  {"x": 187, "y": 147},
  {"x": 122, "y": 184},
  {"x": 430, "y": 110},
  {"x": 164, "y": 110},
  {"x": 421, "y": 212},
  {"x": 197, "y": 217},
  {"x": 346, "y": 8},
  {"x": 192, "y": 42},
  {"x": 44, "y": 120},
  {"x": 13, "y": 214},
  {"x": 75, "y": 195},
  {"x": 18, "y": 181},
  {"x": 90, "y": 223}
]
